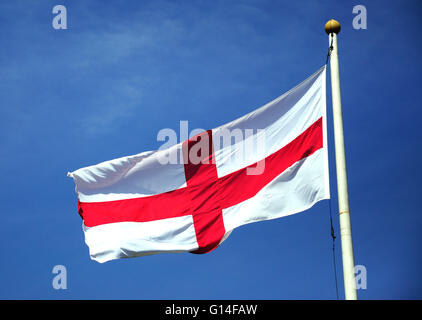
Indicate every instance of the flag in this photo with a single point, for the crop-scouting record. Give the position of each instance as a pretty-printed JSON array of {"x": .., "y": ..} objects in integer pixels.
[{"x": 188, "y": 197}]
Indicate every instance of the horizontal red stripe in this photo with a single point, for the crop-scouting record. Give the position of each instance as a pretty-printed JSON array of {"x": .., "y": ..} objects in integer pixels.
[{"x": 161, "y": 206}]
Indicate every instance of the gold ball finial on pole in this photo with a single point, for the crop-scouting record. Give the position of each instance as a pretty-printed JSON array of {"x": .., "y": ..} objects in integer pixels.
[{"x": 332, "y": 26}]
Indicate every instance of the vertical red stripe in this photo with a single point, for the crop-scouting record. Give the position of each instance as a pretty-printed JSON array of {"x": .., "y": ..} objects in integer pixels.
[{"x": 201, "y": 179}]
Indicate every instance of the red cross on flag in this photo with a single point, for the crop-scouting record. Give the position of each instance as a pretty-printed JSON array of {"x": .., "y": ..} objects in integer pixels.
[{"x": 267, "y": 164}]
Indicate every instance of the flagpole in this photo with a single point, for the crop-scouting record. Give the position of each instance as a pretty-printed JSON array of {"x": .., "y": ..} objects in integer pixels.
[{"x": 332, "y": 28}]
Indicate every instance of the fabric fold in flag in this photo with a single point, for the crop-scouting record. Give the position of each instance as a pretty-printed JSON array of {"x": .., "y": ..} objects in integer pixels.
[{"x": 267, "y": 164}]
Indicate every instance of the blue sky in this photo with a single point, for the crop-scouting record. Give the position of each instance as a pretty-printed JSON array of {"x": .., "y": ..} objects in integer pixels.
[{"x": 123, "y": 70}]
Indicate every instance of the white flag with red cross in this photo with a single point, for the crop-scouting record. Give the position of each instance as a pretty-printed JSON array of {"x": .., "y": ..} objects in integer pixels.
[{"x": 267, "y": 164}]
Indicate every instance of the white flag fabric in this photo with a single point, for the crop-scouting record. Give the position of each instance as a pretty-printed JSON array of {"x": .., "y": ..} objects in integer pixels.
[{"x": 267, "y": 164}]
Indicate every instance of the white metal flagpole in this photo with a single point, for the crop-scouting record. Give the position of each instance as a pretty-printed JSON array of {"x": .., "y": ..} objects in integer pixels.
[{"x": 332, "y": 28}]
